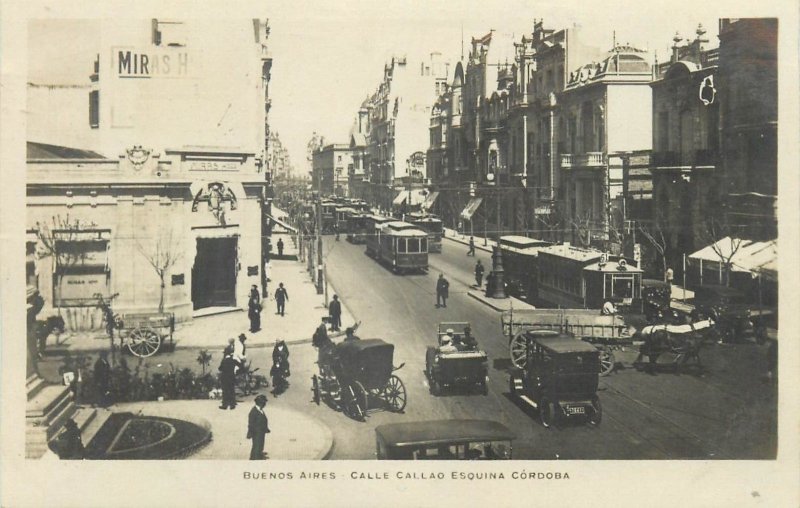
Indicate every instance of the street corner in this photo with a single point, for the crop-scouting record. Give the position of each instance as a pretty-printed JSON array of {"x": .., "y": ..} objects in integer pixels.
[{"x": 297, "y": 436}]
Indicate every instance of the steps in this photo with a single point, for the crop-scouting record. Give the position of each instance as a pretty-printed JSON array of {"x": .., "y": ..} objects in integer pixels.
[
  {"x": 48, "y": 408},
  {"x": 34, "y": 385},
  {"x": 89, "y": 421}
]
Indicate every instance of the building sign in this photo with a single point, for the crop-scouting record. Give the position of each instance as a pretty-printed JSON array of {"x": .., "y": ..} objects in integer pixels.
[
  {"x": 132, "y": 63},
  {"x": 196, "y": 165},
  {"x": 80, "y": 286}
]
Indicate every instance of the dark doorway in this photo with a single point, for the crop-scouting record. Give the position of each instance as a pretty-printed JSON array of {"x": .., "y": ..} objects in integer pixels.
[{"x": 214, "y": 273}]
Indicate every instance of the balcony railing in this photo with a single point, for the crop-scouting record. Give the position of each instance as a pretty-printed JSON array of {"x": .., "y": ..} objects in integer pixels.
[{"x": 584, "y": 160}]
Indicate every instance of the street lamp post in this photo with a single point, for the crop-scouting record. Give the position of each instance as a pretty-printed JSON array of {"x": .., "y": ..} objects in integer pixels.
[
  {"x": 497, "y": 287},
  {"x": 319, "y": 235}
]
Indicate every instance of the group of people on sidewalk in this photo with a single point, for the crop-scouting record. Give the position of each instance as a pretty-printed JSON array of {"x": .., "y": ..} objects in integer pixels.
[{"x": 255, "y": 305}]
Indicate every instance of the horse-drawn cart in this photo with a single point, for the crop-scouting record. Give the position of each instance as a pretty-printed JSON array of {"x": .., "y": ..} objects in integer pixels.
[
  {"x": 606, "y": 332},
  {"x": 143, "y": 333}
]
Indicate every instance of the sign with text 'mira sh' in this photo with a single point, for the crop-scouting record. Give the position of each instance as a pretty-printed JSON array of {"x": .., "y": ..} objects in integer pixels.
[{"x": 136, "y": 63}]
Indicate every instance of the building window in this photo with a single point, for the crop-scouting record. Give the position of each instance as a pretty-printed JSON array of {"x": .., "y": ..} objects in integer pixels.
[
  {"x": 81, "y": 270},
  {"x": 94, "y": 109},
  {"x": 339, "y": 158}
]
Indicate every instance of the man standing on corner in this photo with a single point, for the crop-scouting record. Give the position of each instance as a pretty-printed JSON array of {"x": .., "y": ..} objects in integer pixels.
[
  {"x": 479, "y": 273},
  {"x": 258, "y": 428},
  {"x": 281, "y": 297},
  {"x": 442, "y": 291},
  {"x": 280, "y": 247},
  {"x": 471, "y": 251},
  {"x": 335, "y": 312},
  {"x": 227, "y": 378}
]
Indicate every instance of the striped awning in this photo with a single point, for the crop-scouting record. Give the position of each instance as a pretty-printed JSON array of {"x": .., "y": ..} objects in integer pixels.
[{"x": 471, "y": 208}]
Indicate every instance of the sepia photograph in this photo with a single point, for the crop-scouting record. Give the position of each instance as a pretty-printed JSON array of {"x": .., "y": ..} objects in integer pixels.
[{"x": 298, "y": 233}]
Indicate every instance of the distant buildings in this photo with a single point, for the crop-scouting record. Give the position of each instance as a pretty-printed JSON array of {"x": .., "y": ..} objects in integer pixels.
[
  {"x": 331, "y": 167},
  {"x": 568, "y": 143}
]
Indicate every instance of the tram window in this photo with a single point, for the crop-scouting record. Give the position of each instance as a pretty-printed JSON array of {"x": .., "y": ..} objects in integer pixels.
[
  {"x": 413, "y": 245},
  {"x": 621, "y": 286},
  {"x": 424, "y": 242},
  {"x": 401, "y": 245}
]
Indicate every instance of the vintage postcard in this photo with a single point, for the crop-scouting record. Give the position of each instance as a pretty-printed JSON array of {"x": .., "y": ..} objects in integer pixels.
[{"x": 550, "y": 247}]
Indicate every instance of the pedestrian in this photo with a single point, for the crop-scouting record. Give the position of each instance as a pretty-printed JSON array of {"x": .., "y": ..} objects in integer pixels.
[
  {"x": 254, "y": 310},
  {"x": 471, "y": 251},
  {"x": 335, "y": 313},
  {"x": 258, "y": 428},
  {"x": 350, "y": 335},
  {"x": 227, "y": 378},
  {"x": 280, "y": 247},
  {"x": 442, "y": 291},
  {"x": 69, "y": 445},
  {"x": 102, "y": 379},
  {"x": 336, "y": 230},
  {"x": 479, "y": 273},
  {"x": 323, "y": 343},
  {"x": 281, "y": 297},
  {"x": 240, "y": 350}
]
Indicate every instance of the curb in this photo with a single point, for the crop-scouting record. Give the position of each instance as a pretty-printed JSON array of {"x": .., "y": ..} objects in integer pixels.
[
  {"x": 466, "y": 242},
  {"x": 487, "y": 301}
]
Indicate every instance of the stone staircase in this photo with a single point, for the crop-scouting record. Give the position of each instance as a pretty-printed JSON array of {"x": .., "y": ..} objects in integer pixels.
[{"x": 48, "y": 407}]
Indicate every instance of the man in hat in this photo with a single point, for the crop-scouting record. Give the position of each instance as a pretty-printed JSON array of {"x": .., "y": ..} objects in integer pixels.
[
  {"x": 447, "y": 343},
  {"x": 442, "y": 291},
  {"x": 254, "y": 309},
  {"x": 239, "y": 350},
  {"x": 258, "y": 428},
  {"x": 102, "y": 379},
  {"x": 280, "y": 247},
  {"x": 349, "y": 333},
  {"x": 479, "y": 273},
  {"x": 227, "y": 378},
  {"x": 335, "y": 312},
  {"x": 281, "y": 297}
]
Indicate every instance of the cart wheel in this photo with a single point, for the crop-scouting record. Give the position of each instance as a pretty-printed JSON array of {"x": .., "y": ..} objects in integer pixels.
[
  {"x": 517, "y": 349},
  {"x": 315, "y": 388},
  {"x": 597, "y": 414},
  {"x": 352, "y": 407},
  {"x": 607, "y": 361},
  {"x": 547, "y": 413},
  {"x": 395, "y": 394},
  {"x": 143, "y": 342},
  {"x": 362, "y": 397}
]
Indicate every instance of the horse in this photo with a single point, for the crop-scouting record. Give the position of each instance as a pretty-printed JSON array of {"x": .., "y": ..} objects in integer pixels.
[
  {"x": 43, "y": 329},
  {"x": 660, "y": 339}
]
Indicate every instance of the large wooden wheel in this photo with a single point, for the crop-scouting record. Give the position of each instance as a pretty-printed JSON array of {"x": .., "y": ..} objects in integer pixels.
[
  {"x": 144, "y": 342},
  {"x": 315, "y": 388},
  {"x": 518, "y": 350},
  {"x": 395, "y": 394},
  {"x": 355, "y": 403},
  {"x": 607, "y": 361}
]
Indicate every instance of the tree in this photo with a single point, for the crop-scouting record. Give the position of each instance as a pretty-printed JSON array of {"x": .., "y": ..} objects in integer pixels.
[
  {"x": 654, "y": 234},
  {"x": 721, "y": 237},
  {"x": 57, "y": 239},
  {"x": 204, "y": 359},
  {"x": 162, "y": 256},
  {"x": 582, "y": 225}
]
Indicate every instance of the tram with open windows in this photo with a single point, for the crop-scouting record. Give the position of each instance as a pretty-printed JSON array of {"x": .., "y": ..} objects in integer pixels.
[
  {"x": 400, "y": 245},
  {"x": 520, "y": 265},
  {"x": 372, "y": 224},
  {"x": 431, "y": 224}
]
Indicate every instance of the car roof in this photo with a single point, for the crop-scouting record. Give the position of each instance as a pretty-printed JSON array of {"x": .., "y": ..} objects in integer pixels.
[
  {"x": 564, "y": 344},
  {"x": 434, "y": 432}
]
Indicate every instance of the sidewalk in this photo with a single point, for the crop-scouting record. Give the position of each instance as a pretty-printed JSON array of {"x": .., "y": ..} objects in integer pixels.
[
  {"x": 302, "y": 316},
  {"x": 452, "y": 234},
  {"x": 294, "y": 435}
]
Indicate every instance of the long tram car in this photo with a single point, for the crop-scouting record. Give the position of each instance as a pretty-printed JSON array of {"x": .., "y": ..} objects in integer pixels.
[
  {"x": 400, "y": 245},
  {"x": 432, "y": 225},
  {"x": 372, "y": 229},
  {"x": 356, "y": 226},
  {"x": 571, "y": 277}
]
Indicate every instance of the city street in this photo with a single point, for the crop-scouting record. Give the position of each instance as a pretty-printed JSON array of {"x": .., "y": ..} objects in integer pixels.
[{"x": 727, "y": 412}]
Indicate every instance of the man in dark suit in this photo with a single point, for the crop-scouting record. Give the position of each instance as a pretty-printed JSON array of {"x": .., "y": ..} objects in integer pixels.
[
  {"x": 280, "y": 247},
  {"x": 102, "y": 379},
  {"x": 442, "y": 291},
  {"x": 227, "y": 378},
  {"x": 258, "y": 428},
  {"x": 335, "y": 312},
  {"x": 281, "y": 296}
]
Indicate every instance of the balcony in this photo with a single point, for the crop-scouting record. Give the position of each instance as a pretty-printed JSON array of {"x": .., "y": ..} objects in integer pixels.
[
  {"x": 584, "y": 160},
  {"x": 704, "y": 157}
]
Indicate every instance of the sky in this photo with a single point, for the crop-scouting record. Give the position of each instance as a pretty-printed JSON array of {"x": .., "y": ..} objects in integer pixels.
[{"x": 327, "y": 57}]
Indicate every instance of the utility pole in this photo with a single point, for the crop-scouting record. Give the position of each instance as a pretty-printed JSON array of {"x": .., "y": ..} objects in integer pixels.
[{"x": 319, "y": 234}]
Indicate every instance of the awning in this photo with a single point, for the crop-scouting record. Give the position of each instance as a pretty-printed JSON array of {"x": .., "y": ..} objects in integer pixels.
[
  {"x": 471, "y": 208},
  {"x": 416, "y": 195},
  {"x": 430, "y": 199},
  {"x": 748, "y": 256},
  {"x": 281, "y": 223}
]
